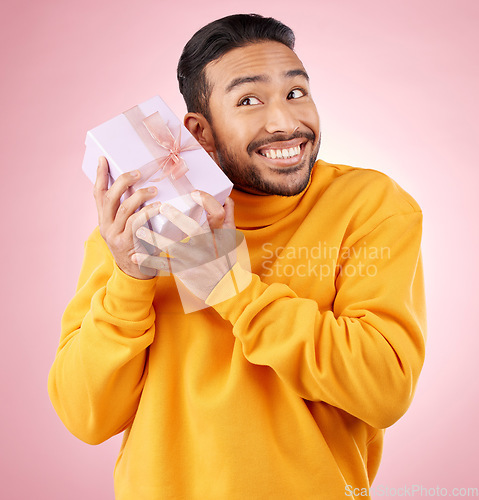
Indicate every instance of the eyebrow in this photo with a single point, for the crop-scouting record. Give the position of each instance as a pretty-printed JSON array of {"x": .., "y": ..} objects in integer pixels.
[
  {"x": 264, "y": 78},
  {"x": 246, "y": 79},
  {"x": 297, "y": 72}
]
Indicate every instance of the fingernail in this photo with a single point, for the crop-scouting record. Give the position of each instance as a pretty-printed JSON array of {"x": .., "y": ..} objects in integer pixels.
[
  {"x": 141, "y": 232},
  {"x": 196, "y": 196},
  {"x": 135, "y": 173},
  {"x": 138, "y": 258},
  {"x": 152, "y": 189}
]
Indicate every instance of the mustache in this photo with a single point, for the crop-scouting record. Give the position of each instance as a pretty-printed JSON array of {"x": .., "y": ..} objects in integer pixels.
[{"x": 311, "y": 136}]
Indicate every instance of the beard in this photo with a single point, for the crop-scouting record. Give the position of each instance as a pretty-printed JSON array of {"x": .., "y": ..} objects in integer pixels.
[{"x": 248, "y": 177}]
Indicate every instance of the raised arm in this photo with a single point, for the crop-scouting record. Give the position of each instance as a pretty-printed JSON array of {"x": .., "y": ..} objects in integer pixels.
[
  {"x": 364, "y": 355},
  {"x": 99, "y": 369}
]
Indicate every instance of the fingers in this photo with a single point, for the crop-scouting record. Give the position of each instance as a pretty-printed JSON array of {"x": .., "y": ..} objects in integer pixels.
[
  {"x": 101, "y": 185},
  {"x": 229, "y": 207},
  {"x": 111, "y": 199},
  {"x": 130, "y": 205},
  {"x": 112, "y": 213},
  {"x": 155, "y": 239},
  {"x": 189, "y": 226},
  {"x": 138, "y": 220},
  {"x": 202, "y": 247},
  {"x": 151, "y": 261},
  {"x": 215, "y": 213},
  {"x": 141, "y": 217},
  {"x": 196, "y": 250}
]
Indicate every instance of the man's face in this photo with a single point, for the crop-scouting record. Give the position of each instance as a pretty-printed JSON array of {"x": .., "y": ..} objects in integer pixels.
[{"x": 263, "y": 119}]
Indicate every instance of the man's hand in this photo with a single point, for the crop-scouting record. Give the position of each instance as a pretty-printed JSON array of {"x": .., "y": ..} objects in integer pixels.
[
  {"x": 206, "y": 255},
  {"x": 118, "y": 220}
]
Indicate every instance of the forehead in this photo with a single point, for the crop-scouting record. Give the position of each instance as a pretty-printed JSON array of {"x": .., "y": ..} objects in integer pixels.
[{"x": 270, "y": 58}]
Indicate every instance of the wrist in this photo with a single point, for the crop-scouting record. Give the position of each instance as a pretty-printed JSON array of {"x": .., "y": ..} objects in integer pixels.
[{"x": 134, "y": 271}]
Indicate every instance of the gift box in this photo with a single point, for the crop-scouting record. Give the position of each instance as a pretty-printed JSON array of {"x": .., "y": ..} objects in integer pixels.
[{"x": 151, "y": 139}]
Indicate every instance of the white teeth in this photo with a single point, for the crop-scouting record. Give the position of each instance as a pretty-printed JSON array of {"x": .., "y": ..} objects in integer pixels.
[{"x": 282, "y": 153}]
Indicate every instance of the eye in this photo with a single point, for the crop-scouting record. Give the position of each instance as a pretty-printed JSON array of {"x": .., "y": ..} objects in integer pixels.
[
  {"x": 296, "y": 94},
  {"x": 249, "y": 101}
]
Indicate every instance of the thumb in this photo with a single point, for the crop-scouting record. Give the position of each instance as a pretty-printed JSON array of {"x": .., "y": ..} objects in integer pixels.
[{"x": 229, "y": 221}]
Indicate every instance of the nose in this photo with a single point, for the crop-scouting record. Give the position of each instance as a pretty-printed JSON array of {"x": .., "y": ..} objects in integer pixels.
[{"x": 280, "y": 118}]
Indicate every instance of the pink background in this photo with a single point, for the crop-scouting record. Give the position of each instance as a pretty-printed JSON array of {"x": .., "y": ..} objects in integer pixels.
[{"x": 396, "y": 85}]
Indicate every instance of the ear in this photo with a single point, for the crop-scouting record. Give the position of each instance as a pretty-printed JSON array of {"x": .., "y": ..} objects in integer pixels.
[{"x": 200, "y": 129}]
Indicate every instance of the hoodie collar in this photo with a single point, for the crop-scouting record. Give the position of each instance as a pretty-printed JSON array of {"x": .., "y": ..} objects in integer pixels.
[{"x": 256, "y": 211}]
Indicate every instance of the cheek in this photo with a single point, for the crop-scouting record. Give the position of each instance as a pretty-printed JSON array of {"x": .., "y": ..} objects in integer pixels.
[
  {"x": 228, "y": 128},
  {"x": 238, "y": 134},
  {"x": 309, "y": 117}
]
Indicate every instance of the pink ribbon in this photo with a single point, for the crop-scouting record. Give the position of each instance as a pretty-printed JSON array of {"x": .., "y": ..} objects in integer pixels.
[{"x": 165, "y": 147}]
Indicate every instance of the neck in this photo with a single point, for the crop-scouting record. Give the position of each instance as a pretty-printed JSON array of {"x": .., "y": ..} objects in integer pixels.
[{"x": 256, "y": 209}]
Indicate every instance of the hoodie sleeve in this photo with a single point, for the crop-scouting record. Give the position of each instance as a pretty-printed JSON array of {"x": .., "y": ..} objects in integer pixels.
[
  {"x": 364, "y": 356},
  {"x": 100, "y": 365}
]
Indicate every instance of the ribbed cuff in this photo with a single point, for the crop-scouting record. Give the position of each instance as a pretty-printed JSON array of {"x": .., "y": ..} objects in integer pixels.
[
  {"x": 129, "y": 298},
  {"x": 228, "y": 296}
]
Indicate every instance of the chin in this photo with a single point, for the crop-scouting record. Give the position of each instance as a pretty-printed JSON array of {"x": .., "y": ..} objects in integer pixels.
[
  {"x": 285, "y": 182},
  {"x": 286, "y": 189},
  {"x": 290, "y": 181},
  {"x": 254, "y": 178}
]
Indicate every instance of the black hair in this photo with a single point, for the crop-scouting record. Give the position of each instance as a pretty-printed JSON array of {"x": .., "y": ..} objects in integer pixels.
[{"x": 213, "y": 41}]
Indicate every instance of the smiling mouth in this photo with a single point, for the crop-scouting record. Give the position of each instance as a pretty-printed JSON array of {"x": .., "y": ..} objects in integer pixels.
[{"x": 283, "y": 153}]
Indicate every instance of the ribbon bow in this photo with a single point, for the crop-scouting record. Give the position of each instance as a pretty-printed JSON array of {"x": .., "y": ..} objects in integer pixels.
[
  {"x": 172, "y": 164},
  {"x": 166, "y": 148}
]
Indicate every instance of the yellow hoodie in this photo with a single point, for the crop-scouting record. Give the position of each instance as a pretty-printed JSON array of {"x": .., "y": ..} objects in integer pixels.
[{"x": 280, "y": 392}]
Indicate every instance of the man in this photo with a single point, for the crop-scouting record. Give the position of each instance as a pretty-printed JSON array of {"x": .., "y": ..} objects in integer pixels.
[{"x": 283, "y": 390}]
